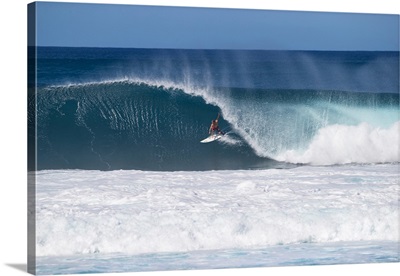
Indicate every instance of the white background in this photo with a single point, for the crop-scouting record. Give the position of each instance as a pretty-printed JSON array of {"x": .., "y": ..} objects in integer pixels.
[{"x": 13, "y": 229}]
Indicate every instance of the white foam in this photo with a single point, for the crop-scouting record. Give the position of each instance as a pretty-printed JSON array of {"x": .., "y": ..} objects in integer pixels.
[
  {"x": 341, "y": 144},
  {"x": 229, "y": 140},
  {"x": 246, "y": 186},
  {"x": 81, "y": 212}
]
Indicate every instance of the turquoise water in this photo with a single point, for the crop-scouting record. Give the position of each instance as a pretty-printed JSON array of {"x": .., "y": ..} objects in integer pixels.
[{"x": 279, "y": 255}]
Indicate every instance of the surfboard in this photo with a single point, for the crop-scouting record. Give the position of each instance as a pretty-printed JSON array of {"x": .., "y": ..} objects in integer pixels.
[{"x": 211, "y": 138}]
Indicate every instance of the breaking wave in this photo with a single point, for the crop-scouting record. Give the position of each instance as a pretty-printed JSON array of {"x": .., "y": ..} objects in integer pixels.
[{"x": 156, "y": 125}]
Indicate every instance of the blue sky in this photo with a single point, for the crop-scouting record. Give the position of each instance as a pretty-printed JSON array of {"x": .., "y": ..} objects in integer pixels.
[{"x": 130, "y": 26}]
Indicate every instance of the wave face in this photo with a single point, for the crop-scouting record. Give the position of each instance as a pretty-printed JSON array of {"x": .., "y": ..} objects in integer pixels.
[
  {"x": 124, "y": 125},
  {"x": 149, "y": 109}
]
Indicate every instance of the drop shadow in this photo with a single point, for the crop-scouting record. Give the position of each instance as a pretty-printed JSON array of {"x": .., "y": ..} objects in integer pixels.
[{"x": 20, "y": 267}]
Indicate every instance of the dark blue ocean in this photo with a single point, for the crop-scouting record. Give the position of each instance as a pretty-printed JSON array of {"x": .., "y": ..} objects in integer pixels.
[{"x": 147, "y": 109}]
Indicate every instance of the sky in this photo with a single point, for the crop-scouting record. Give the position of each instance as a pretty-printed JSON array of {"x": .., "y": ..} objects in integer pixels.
[{"x": 132, "y": 26}]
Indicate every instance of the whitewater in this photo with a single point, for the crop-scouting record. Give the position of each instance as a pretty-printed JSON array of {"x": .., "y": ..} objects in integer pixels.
[{"x": 94, "y": 214}]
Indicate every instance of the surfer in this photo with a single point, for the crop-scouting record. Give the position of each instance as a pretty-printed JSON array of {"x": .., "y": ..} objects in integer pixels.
[{"x": 214, "y": 127}]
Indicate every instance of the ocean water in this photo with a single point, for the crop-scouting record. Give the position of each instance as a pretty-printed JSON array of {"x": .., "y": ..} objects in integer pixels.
[{"x": 307, "y": 174}]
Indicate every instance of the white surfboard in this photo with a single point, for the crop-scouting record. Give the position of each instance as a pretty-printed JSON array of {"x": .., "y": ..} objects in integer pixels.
[{"x": 211, "y": 138}]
